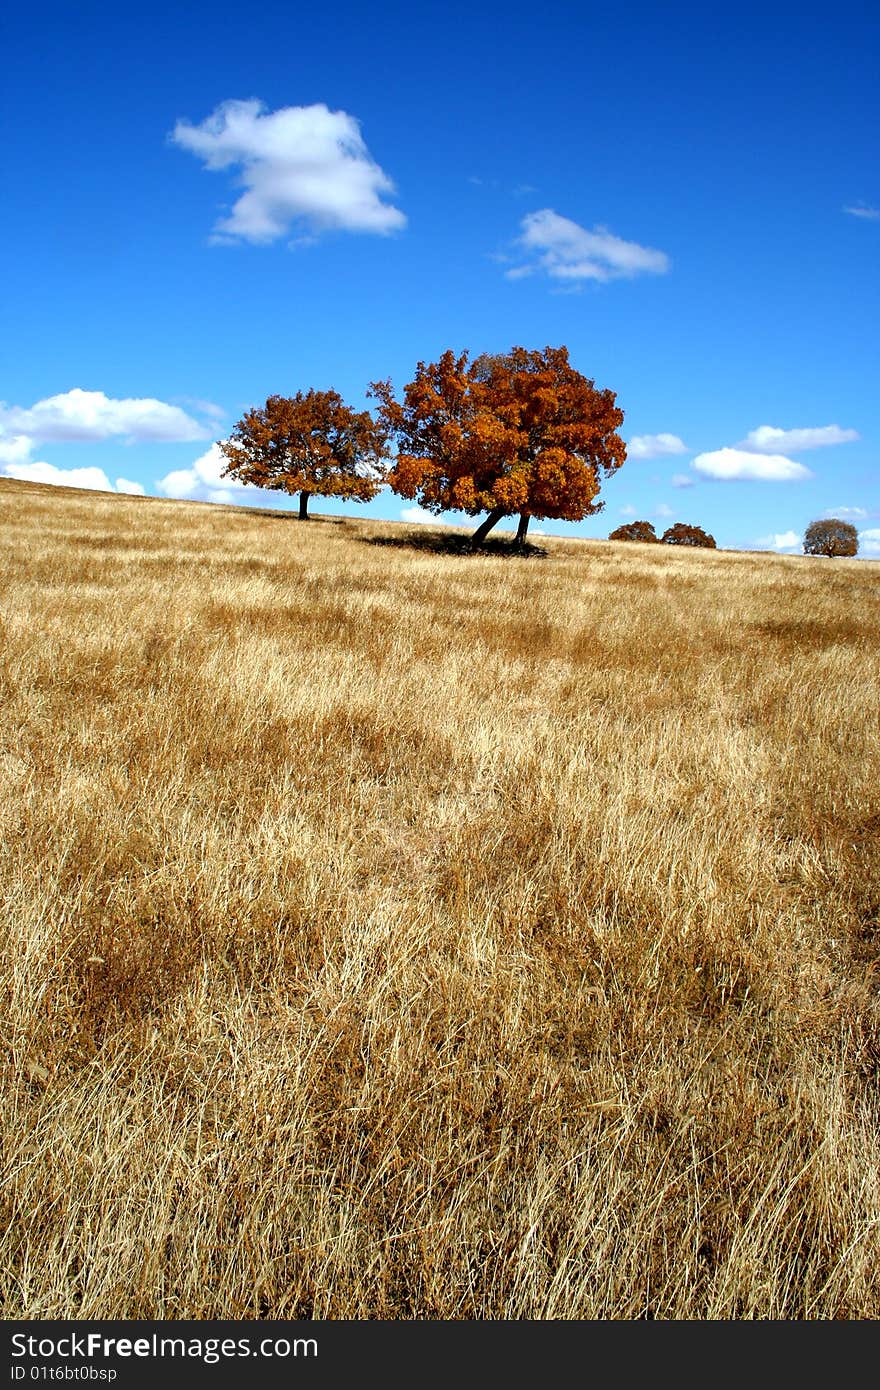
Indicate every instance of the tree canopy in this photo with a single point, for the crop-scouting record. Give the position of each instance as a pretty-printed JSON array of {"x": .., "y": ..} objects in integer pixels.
[
  {"x": 310, "y": 443},
  {"x": 634, "y": 531},
  {"x": 682, "y": 534},
  {"x": 514, "y": 433},
  {"x": 831, "y": 537}
]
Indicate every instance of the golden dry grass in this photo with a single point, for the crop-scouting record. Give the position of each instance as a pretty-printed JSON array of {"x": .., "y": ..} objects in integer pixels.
[{"x": 400, "y": 934}]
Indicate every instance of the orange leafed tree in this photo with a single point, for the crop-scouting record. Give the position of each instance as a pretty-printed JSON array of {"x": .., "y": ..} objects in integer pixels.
[
  {"x": 310, "y": 443},
  {"x": 634, "y": 531},
  {"x": 831, "y": 537},
  {"x": 682, "y": 534},
  {"x": 514, "y": 433}
]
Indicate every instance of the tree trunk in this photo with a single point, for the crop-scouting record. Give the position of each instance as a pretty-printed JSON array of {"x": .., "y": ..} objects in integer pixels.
[
  {"x": 485, "y": 527},
  {"x": 522, "y": 528},
  {"x": 304, "y": 506}
]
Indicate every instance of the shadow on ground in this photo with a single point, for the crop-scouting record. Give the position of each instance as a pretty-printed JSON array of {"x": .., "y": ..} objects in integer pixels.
[
  {"x": 454, "y": 543},
  {"x": 268, "y": 514}
]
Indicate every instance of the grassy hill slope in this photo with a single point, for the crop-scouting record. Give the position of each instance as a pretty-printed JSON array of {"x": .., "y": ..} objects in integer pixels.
[{"x": 391, "y": 932}]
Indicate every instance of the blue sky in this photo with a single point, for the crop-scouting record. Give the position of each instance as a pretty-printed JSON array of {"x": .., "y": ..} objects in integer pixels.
[{"x": 206, "y": 205}]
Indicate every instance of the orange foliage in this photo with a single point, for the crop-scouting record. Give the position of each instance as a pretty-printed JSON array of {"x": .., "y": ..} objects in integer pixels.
[
  {"x": 310, "y": 444},
  {"x": 831, "y": 537},
  {"x": 514, "y": 432},
  {"x": 682, "y": 534},
  {"x": 634, "y": 531}
]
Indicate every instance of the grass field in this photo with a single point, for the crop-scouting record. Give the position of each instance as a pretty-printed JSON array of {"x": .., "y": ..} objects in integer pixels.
[{"x": 395, "y": 933}]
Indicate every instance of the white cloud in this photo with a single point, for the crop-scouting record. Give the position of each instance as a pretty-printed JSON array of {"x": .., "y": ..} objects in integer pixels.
[
  {"x": 88, "y": 416},
  {"x": 132, "y": 489},
  {"x": 730, "y": 464},
  {"x": 682, "y": 480},
  {"x": 208, "y": 408},
  {"x": 869, "y": 541},
  {"x": 627, "y": 510},
  {"x": 301, "y": 165},
  {"x": 651, "y": 446},
  {"x": 767, "y": 439},
  {"x": 566, "y": 251},
  {"x": 15, "y": 449},
  {"x": 847, "y": 513},
  {"x": 662, "y": 510},
  {"x": 862, "y": 210},
  {"x": 203, "y": 482},
  {"x": 94, "y": 479},
  {"x": 784, "y": 540},
  {"x": 417, "y": 514}
]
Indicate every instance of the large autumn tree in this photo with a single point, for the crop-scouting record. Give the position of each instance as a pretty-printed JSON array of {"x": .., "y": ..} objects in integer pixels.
[
  {"x": 311, "y": 443},
  {"x": 831, "y": 537},
  {"x": 519, "y": 433}
]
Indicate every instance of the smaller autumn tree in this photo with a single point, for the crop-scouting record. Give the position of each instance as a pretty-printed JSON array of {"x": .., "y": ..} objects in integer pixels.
[
  {"x": 311, "y": 443},
  {"x": 634, "y": 531},
  {"x": 832, "y": 537},
  {"x": 512, "y": 433},
  {"x": 682, "y": 534}
]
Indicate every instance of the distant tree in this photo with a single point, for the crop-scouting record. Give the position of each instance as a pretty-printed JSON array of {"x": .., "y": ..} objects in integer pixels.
[
  {"x": 311, "y": 443},
  {"x": 681, "y": 534},
  {"x": 513, "y": 433},
  {"x": 831, "y": 537},
  {"x": 634, "y": 531}
]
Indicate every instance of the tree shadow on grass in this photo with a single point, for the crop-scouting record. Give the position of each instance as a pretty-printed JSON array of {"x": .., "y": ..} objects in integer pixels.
[
  {"x": 270, "y": 514},
  {"x": 457, "y": 543}
]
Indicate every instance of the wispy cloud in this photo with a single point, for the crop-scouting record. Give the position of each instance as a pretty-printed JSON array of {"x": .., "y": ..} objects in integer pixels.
[
  {"x": 863, "y": 210},
  {"x": 301, "y": 166},
  {"x": 627, "y": 510},
  {"x": 682, "y": 480},
  {"x": 767, "y": 439},
  {"x": 419, "y": 515},
  {"x": 847, "y": 513},
  {"x": 663, "y": 510},
  {"x": 564, "y": 250},
  {"x": 650, "y": 446},
  {"x": 90, "y": 416},
  {"x": 729, "y": 465}
]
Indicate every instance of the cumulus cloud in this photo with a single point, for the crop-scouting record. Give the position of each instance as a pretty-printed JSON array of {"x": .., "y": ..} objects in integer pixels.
[
  {"x": 863, "y": 210},
  {"x": 417, "y": 514},
  {"x": 767, "y": 439},
  {"x": 89, "y": 416},
  {"x": 564, "y": 250},
  {"x": 203, "y": 482},
  {"x": 15, "y": 449},
  {"x": 303, "y": 166},
  {"x": 94, "y": 479},
  {"x": 651, "y": 446},
  {"x": 783, "y": 540},
  {"x": 869, "y": 541},
  {"x": 682, "y": 480},
  {"x": 731, "y": 464}
]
